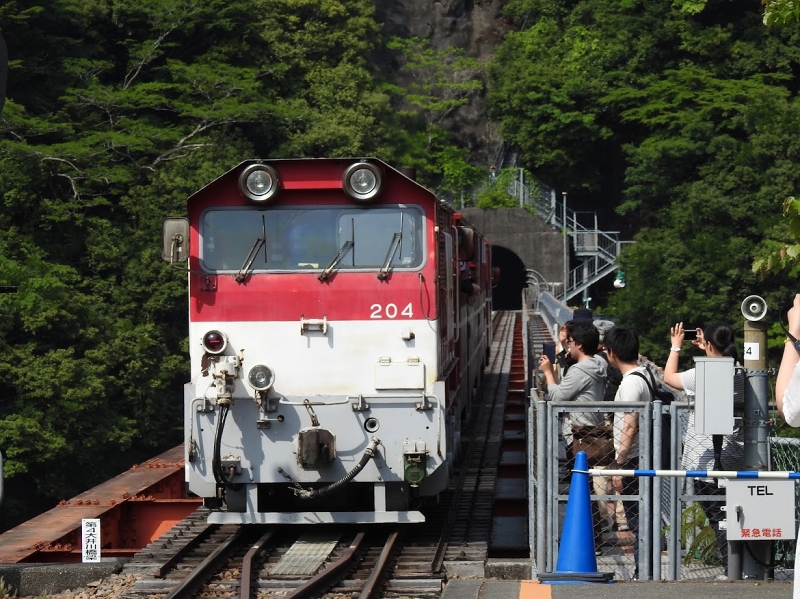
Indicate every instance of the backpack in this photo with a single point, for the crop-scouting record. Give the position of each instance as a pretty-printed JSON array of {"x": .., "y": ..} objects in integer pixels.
[
  {"x": 659, "y": 391},
  {"x": 613, "y": 379}
]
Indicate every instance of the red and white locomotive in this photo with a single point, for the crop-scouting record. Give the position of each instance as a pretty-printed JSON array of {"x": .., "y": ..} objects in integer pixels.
[{"x": 335, "y": 353}]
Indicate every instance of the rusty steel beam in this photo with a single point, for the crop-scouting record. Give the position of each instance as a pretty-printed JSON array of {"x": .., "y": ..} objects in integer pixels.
[{"x": 134, "y": 508}]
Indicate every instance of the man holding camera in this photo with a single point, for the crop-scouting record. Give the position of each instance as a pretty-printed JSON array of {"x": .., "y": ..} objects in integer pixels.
[{"x": 586, "y": 378}]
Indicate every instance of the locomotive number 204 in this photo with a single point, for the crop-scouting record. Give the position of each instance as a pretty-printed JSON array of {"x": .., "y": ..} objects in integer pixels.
[{"x": 390, "y": 311}]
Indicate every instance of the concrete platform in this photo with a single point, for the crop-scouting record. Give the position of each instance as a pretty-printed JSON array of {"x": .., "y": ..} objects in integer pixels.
[{"x": 532, "y": 589}]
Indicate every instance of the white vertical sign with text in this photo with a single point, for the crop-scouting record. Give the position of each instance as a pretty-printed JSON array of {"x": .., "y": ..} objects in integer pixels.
[{"x": 90, "y": 536}]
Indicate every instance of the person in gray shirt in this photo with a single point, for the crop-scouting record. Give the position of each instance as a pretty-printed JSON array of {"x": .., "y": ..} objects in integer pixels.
[{"x": 586, "y": 379}]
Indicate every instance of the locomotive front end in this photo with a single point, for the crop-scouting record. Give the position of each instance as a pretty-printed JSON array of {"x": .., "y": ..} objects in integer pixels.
[{"x": 318, "y": 388}]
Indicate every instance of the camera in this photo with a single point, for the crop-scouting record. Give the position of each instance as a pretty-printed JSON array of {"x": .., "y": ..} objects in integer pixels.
[{"x": 690, "y": 334}]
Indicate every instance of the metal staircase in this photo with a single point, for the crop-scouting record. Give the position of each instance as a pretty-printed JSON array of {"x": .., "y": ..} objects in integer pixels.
[{"x": 598, "y": 251}]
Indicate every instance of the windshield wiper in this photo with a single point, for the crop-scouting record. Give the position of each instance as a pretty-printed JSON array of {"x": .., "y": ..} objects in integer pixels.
[
  {"x": 394, "y": 244},
  {"x": 244, "y": 271},
  {"x": 346, "y": 247},
  {"x": 383, "y": 273}
]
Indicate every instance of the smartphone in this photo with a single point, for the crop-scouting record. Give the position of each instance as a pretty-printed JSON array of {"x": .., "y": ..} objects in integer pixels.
[
  {"x": 549, "y": 350},
  {"x": 690, "y": 334}
]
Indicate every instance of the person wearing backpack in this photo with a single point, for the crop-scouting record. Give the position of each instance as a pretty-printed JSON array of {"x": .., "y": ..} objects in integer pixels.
[
  {"x": 612, "y": 514},
  {"x": 622, "y": 347}
]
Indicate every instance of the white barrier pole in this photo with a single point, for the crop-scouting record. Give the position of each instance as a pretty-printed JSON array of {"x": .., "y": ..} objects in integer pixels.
[{"x": 764, "y": 475}]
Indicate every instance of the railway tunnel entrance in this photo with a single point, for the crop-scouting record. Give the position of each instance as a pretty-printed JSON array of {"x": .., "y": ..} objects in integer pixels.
[{"x": 507, "y": 289}]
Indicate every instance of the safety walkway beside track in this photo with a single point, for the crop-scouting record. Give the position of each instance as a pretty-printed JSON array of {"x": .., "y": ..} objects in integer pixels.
[{"x": 532, "y": 589}]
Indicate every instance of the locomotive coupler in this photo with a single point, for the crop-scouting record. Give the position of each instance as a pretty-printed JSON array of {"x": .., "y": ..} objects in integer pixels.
[{"x": 316, "y": 448}]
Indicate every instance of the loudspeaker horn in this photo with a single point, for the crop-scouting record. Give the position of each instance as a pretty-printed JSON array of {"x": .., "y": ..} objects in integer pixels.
[{"x": 754, "y": 307}]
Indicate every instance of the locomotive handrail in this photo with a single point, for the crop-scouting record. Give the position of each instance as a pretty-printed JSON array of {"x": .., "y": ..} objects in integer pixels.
[
  {"x": 319, "y": 324},
  {"x": 305, "y": 401},
  {"x": 341, "y": 399}
]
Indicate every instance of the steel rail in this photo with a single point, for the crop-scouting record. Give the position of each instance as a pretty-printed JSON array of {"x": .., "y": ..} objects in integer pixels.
[
  {"x": 187, "y": 588},
  {"x": 371, "y": 585},
  {"x": 246, "y": 585},
  {"x": 161, "y": 571}
]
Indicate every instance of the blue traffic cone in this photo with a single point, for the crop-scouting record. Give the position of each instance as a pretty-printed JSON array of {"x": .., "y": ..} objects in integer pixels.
[{"x": 577, "y": 562}]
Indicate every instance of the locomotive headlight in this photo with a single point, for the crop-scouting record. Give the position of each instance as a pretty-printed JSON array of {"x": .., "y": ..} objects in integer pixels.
[
  {"x": 362, "y": 181},
  {"x": 259, "y": 183},
  {"x": 215, "y": 342},
  {"x": 261, "y": 377}
]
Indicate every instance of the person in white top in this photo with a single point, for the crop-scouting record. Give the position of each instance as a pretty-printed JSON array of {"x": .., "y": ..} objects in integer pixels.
[
  {"x": 699, "y": 452},
  {"x": 787, "y": 385},
  {"x": 787, "y": 393},
  {"x": 622, "y": 347}
]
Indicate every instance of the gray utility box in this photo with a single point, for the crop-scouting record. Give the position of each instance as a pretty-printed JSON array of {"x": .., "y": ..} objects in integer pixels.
[{"x": 713, "y": 409}]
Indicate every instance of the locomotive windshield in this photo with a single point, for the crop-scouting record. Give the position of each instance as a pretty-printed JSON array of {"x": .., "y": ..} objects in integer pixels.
[{"x": 292, "y": 239}]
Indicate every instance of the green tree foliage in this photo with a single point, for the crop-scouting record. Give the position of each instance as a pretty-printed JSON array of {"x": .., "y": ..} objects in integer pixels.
[
  {"x": 441, "y": 80},
  {"x": 315, "y": 61},
  {"x": 776, "y": 256},
  {"x": 458, "y": 177},
  {"x": 682, "y": 117},
  {"x": 781, "y": 12},
  {"x": 437, "y": 82},
  {"x": 116, "y": 112},
  {"x": 499, "y": 192}
]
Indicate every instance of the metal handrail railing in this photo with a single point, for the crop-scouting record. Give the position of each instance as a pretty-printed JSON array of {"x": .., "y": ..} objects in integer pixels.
[{"x": 599, "y": 250}]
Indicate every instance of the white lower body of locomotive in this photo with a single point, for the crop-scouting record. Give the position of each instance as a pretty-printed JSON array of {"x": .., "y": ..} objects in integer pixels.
[{"x": 354, "y": 428}]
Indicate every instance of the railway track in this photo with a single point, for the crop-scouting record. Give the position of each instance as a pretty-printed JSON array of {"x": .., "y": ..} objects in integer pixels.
[
  {"x": 196, "y": 559},
  {"x": 282, "y": 561}
]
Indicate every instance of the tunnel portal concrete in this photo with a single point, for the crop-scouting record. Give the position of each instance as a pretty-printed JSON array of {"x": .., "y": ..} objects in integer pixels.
[{"x": 520, "y": 241}]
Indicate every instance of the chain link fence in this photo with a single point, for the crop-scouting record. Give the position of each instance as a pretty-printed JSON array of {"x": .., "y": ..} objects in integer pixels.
[
  {"x": 785, "y": 455},
  {"x": 692, "y": 542}
]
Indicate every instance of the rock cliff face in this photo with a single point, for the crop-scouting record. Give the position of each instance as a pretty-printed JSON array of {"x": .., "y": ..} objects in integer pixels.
[{"x": 474, "y": 25}]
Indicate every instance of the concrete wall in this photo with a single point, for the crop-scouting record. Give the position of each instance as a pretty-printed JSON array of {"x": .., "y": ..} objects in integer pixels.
[{"x": 538, "y": 245}]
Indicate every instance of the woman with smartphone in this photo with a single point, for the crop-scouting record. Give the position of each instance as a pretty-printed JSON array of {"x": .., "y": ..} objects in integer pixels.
[{"x": 703, "y": 452}]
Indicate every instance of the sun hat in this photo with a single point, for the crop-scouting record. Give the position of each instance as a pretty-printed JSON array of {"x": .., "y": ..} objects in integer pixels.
[{"x": 581, "y": 315}]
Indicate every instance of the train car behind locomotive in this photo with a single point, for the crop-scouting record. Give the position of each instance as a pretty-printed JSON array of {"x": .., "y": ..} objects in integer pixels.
[{"x": 334, "y": 352}]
